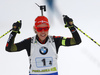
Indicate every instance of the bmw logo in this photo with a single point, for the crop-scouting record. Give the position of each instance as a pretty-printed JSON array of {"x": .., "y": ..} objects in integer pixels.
[{"x": 43, "y": 50}]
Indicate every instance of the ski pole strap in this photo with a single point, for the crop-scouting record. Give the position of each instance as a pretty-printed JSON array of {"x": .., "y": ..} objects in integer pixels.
[
  {"x": 6, "y": 33},
  {"x": 87, "y": 35}
]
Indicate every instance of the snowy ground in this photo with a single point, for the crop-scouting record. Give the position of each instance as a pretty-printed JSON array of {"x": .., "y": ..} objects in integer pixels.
[{"x": 83, "y": 59}]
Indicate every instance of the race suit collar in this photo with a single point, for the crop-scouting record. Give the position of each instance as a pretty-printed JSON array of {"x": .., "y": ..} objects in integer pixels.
[{"x": 42, "y": 42}]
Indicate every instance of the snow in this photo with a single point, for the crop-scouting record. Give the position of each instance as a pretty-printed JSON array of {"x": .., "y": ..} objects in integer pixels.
[{"x": 83, "y": 59}]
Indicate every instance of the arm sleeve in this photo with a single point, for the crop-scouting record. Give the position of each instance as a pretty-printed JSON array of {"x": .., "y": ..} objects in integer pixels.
[
  {"x": 63, "y": 41},
  {"x": 74, "y": 40},
  {"x": 11, "y": 47}
]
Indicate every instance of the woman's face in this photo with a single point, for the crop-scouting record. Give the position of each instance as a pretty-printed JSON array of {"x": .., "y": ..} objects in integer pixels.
[{"x": 42, "y": 31}]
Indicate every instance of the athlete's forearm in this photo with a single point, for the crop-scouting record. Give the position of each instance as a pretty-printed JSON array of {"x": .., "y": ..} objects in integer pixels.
[
  {"x": 10, "y": 46},
  {"x": 76, "y": 38}
]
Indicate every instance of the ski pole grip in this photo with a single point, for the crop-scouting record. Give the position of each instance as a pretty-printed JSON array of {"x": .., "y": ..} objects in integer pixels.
[
  {"x": 20, "y": 21},
  {"x": 65, "y": 16}
]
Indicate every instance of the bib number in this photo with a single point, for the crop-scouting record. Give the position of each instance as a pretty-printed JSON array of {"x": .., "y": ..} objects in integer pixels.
[{"x": 44, "y": 62}]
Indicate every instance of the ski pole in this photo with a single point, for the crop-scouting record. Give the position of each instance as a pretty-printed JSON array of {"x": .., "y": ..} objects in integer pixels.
[
  {"x": 65, "y": 16},
  {"x": 87, "y": 35},
  {"x": 6, "y": 33}
]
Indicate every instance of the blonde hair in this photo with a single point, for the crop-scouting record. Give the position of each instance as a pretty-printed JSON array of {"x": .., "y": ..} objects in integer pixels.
[{"x": 34, "y": 29}]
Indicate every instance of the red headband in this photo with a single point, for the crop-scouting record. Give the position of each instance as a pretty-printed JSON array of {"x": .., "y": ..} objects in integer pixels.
[{"x": 41, "y": 20}]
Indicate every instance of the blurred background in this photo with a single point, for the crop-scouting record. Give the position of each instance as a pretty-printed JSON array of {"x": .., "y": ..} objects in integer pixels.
[{"x": 83, "y": 59}]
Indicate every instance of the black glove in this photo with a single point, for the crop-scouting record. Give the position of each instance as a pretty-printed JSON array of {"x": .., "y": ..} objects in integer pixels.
[
  {"x": 16, "y": 26},
  {"x": 68, "y": 21}
]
